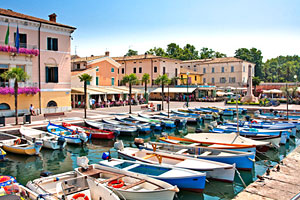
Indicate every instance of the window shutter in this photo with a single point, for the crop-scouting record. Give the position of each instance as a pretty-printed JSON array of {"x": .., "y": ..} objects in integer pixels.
[
  {"x": 55, "y": 74},
  {"x": 49, "y": 45},
  {"x": 47, "y": 74},
  {"x": 55, "y": 44}
]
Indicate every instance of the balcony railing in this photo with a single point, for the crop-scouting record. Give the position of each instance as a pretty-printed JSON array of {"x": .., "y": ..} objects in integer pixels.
[{"x": 24, "y": 48}]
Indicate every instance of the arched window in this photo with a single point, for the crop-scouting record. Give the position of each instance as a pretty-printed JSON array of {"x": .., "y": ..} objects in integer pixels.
[
  {"x": 52, "y": 104},
  {"x": 4, "y": 106}
]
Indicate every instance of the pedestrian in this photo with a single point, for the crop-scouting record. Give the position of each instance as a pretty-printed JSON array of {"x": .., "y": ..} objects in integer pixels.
[{"x": 31, "y": 109}]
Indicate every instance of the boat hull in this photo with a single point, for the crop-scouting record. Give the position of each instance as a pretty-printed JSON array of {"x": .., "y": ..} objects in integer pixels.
[{"x": 29, "y": 150}]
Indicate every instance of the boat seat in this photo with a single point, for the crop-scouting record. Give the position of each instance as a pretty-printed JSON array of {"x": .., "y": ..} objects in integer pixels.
[
  {"x": 112, "y": 179},
  {"x": 182, "y": 151},
  {"x": 206, "y": 153},
  {"x": 149, "y": 156},
  {"x": 134, "y": 184}
]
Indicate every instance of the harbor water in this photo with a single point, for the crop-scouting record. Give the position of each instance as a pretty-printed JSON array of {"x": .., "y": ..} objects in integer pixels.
[{"x": 26, "y": 168}]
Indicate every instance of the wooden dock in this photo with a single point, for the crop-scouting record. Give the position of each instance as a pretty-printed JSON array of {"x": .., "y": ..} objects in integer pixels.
[{"x": 283, "y": 182}]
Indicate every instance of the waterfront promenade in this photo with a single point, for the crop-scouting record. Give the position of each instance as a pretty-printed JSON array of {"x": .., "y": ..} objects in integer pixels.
[{"x": 77, "y": 114}]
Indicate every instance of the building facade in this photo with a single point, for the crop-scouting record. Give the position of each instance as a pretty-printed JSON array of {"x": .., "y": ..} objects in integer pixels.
[
  {"x": 147, "y": 63},
  {"x": 195, "y": 78},
  {"x": 228, "y": 71},
  {"x": 106, "y": 70},
  {"x": 44, "y": 54}
]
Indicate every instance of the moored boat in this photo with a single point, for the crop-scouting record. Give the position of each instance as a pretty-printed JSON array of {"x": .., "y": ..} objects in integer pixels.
[
  {"x": 49, "y": 141},
  {"x": 214, "y": 170},
  {"x": 92, "y": 133},
  {"x": 182, "y": 178},
  {"x": 70, "y": 136},
  {"x": 2, "y": 154},
  {"x": 243, "y": 160},
  {"x": 127, "y": 185},
  {"x": 70, "y": 186}
]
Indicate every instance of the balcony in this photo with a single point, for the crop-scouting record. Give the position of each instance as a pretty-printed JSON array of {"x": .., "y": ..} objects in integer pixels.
[
  {"x": 20, "y": 84},
  {"x": 24, "y": 49}
]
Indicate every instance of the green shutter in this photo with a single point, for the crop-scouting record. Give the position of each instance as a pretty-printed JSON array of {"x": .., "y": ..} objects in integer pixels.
[
  {"x": 112, "y": 81},
  {"x": 47, "y": 74},
  {"x": 88, "y": 83},
  {"x": 97, "y": 81},
  {"x": 55, "y": 74}
]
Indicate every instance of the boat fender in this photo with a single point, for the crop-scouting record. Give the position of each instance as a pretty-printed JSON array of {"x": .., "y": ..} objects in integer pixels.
[
  {"x": 9, "y": 189},
  {"x": 116, "y": 183},
  {"x": 17, "y": 141},
  {"x": 55, "y": 179},
  {"x": 119, "y": 145},
  {"x": 254, "y": 121},
  {"x": 106, "y": 156},
  {"x": 80, "y": 196}
]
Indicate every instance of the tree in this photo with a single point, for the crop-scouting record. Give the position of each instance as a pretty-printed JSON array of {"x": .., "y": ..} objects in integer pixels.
[
  {"x": 219, "y": 55},
  {"x": 255, "y": 82},
  {"x": 173, "y": 50},
  {"x": 206, "y": 53},
  {"x": 251, "y": 55},
  {"x": 131, "y": 52},
  {"x": 162, "y": 80},
  {"x": 146, "y": 80},
  {"x": 18, "y": 75},
  {"x": 85, "y": 78},
  {"x": 131, "y": 79},
  {"x": 157, "y": 52}
]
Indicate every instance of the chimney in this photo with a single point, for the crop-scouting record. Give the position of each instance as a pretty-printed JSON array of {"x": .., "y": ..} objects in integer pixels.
[
  {"x": 145, "y": 54},
  {"x": 107, "y": 53},
  {"x": 52, "y": 17}
]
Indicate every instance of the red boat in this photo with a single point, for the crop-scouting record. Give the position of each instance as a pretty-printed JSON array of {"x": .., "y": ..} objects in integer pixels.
[{"x": 96, "y": 133}]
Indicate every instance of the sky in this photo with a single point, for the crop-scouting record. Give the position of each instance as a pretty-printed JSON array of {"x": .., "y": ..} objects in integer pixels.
[{"x": 273, "y": 26}]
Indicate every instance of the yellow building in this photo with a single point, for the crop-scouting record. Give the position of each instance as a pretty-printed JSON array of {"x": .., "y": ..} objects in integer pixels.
[{"x": 195, "y": 78}]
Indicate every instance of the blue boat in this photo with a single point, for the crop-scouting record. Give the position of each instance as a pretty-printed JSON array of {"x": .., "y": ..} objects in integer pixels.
[
  {"x": 70, "y": 136},
  {"x": 131, "y": 121},
  {"x": 182, "y": 178},
  {"x": 243, "y": 160}
]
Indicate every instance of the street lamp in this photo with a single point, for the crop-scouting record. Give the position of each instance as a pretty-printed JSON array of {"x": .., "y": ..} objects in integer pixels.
[{"x": 187, "y": 89}]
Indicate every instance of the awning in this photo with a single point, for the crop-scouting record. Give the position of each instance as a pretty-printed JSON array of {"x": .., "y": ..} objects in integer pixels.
[
  {"x": 174, "y": 90},
  {"x": 81, "y": 91}
]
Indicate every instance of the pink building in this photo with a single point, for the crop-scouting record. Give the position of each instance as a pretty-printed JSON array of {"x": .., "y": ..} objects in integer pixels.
[{"x": 44, "y": 54}]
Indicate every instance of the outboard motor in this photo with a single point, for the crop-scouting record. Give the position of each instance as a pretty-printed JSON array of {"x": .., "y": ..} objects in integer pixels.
[
  {"x": 119, "y": 145},
  {"x": 219, "y": 122},
  {"x": 199, "y": 120},
  {"x": 260, "y": 111},
  {"x": 198, "y": 130},
  {"x": 83, "y": 137},
  {"x": 177, "y": 122},
  {"x": 275, "y": 112},
  {"x": 271, "y": 110},
  {"x": 45, "y": 174},
  {"x": 116, "y": 133},
  {"x": 61, "y": 141},
  {"x": 139, "y": 142},
  {"x": 247, "y": 117},
  {"x": 152, "y": 126}
]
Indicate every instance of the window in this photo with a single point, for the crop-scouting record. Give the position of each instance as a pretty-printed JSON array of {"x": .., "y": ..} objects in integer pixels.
[
  {"x": 204, "y": 70},
  {"x": 232, "y": 68},
  {"x": 118, "y": 71},
  {"x": 181, "y": 76},
  {"x": 140, "y": 62},
  {"x": 22, "y": 67},
  {"x": 134, "y": 62},
  {"x": 164, "y": 70},
  {"x": 51, "y": 104},
  {"x": 78, "y": 66},
  {"x": 51, "y": 74},
  {"x": 204, "y": 80},
  {"x": 97, "y": 69},
  {"x": 195, "y": 66},
  {"x": 112, "y": 69},
  {"x": 112, "y": 81},
  {"x": 181, "y": 66},
  {"x": 3, "y": 68},
  {"x": 97, "y": 80},
  {"x": 123, "y": 70},
  {"x": 52, "y": 44},
  {"x": 22, "y": 40},
  {"x": 188, "y": 66},
  {"x": 88, "y": 83},
  {"x": 176, "y": 72},
  {"x": 222, "y": 80},
  {"x": 213, "y": 70},
  {"x": 134, "y": 70},
  {"x": 212, "y": 80},
  {"x": 140, "y": 70},
  {"x": 195, "y": 78},
  {"x": 164, "y": 61},
  {"x": 231, "y": 79},
  {"x": 155, "y": 69},
  {"x": 223, "y": 70},
  {"x": 4, "y": 106},
  {"x": 123, "y": 63},
  {"x": 244, "y": 79},
  {"x": 244, "y": 69}
]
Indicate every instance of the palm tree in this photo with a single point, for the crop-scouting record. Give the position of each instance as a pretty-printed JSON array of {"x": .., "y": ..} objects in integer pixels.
[
  {"x": 19, "y": 75},
  {"x": 162, "y": 80},
  {"x": 131, "y": 79},
  {"x": 255, "y": 82},
  {"x": 146, "y": 80},
  {"x": 85, "y": 78}
]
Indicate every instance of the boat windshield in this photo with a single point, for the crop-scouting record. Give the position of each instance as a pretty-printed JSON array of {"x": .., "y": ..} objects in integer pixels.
[
  {"x": 149, "y": 170},
  {"x": 74, "y": 185}
]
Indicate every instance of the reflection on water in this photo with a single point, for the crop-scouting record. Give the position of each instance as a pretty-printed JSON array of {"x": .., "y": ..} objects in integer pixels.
[{"x": 26, "y": 168}]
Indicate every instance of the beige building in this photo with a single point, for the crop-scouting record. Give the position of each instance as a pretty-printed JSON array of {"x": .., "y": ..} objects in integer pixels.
[
  {"x": 153, "y": 65},
  {"x": 228, "y": 71}
]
